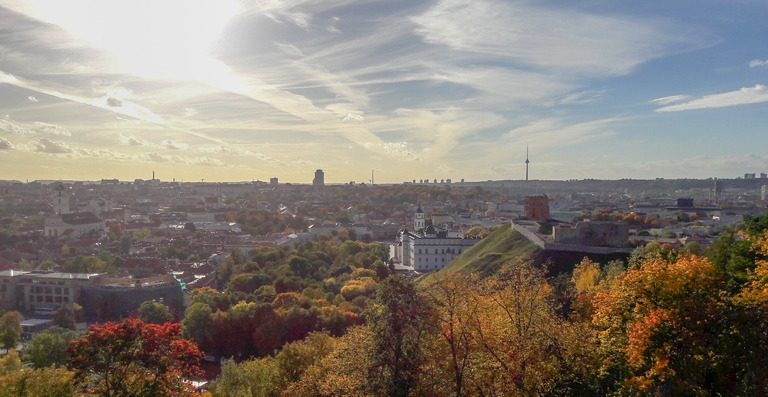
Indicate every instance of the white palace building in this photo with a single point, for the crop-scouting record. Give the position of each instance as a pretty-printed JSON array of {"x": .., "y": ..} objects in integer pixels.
[{"x": 431, "y": 246}]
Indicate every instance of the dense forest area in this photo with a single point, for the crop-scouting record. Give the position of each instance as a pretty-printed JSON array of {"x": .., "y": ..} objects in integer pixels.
[{"x": 328, "y": 319}]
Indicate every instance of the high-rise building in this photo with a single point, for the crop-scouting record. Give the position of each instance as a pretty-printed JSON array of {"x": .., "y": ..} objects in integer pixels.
[
  {"x": 319, "y": 178},
  {"x": 273, "y": 180}
]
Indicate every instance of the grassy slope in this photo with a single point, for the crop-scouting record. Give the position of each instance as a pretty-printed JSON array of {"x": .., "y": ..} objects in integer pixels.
[{"x": 487, "y": 257}]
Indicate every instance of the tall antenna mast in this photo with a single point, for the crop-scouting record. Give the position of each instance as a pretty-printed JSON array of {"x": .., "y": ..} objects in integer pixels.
[{"x": 526, "y": 162}]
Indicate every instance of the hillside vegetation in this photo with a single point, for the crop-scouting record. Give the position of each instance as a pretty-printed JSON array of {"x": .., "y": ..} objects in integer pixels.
[{"x": 503, "y": 245}]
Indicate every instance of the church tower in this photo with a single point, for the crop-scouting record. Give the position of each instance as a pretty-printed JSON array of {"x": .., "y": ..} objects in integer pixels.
[
  {"x": 419, "y": 223},
  {"x": 61, "y": 200}
]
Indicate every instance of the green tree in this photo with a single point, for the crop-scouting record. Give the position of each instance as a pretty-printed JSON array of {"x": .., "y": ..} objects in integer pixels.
[
  {"x": 49, "y": 347},
  {"x": 154, "y": 312},
  {"x": 197, "y": 322},
  {"x": 10, "y": 329},
  {"x": 400, "y": 319},
  {"x": 252, "y": 378},
  {"x": 732, "y": 254}
]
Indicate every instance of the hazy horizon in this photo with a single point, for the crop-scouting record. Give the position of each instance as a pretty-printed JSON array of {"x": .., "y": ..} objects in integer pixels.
[{"x": 240, "y": 91}]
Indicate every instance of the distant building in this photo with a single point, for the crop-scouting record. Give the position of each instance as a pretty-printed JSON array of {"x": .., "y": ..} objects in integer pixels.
[
  {"x": 763, "y": 175},
  {"x": 102, "y": 298},
  {"x": 685, "y": 202},
  {"x": 764, "y": 192},
  {"x": 430, "y": 247},
  {"x": 61, "y": 200},
  {"x": 273, "y": 181},
  {"x": 749, "y": 175},
  {"x": 41, "y": 291},
  {"x": 592, "y": 233},
  {"x": 319, "y": 178},
  {"x": 537, "y": 208},
  {"x": 73, "y": 225}
]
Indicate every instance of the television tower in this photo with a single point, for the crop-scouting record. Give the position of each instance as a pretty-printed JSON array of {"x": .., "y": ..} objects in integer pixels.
[{"x": 526, "y": 162}]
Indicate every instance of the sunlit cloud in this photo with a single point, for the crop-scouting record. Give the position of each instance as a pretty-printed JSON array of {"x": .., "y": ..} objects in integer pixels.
[
  {"x": 742, "y": 96},
  {"x": 46, "y": 145},
  {"x": 668, "y": 100},
  {"x": 276, "y": 86}
]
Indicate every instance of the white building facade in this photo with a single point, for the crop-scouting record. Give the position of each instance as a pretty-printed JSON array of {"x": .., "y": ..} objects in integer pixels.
[{"x": 428, "y": 248}]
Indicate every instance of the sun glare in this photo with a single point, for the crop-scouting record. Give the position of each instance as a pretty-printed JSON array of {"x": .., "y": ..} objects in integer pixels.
[{"x": 169, "y": 39}]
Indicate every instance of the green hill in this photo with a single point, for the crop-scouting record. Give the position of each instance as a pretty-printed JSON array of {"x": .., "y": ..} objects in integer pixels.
[{"x": 487, "y": 257}]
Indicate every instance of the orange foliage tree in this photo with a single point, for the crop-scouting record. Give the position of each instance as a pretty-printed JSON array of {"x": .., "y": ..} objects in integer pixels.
[
  {"x": 671, "y": 328},
  {"x": 133, "y": 358}
]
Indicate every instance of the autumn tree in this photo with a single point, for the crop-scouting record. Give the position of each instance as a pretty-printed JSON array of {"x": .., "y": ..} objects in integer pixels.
[
  {"x": 400, "y": 320},
  {"x": 10, "y": 329},
  {"x": 527, "y": 349},
  {"x": 344, "y": 371},
  {"x": 456, "y": 304},
  {"x": 134, "y": 358},
  {"x": 42, "y": 382},
  {"x": 65, "y": 316},
  {"x": 673, "y": 328}
]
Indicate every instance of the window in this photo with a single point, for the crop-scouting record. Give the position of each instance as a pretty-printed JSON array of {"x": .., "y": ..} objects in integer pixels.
[
  {"x": 39, "y": 298},
  {"x": 66, "y": 290},
  {"x": 57, "y": 290},
  {"x": 48, "y": 299},
  {"x": 47, "y": 290},
  {"x": 66, "y": 299},
  {"x": 58, "y": 299}
]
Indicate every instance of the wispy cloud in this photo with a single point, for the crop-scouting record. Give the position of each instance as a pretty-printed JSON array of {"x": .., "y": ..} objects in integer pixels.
[
  {"x": 130, "y": 140},
  {"x": 668, "y": 100},
  {"x": 758, "y": 63},
  {"x": 7, "y": 125},
  {"x": 51, "y": 129},
  {"x": 742, "y": 96},
  {"x": 46, "y": 145},
  {"x": 350, "y": 84},
  {"x": 524, "y": 33},
  {"x": 553, "y": 132}
]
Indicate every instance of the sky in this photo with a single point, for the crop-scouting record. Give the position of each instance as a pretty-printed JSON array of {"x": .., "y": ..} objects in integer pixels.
[{"x": 232, "y": 90}]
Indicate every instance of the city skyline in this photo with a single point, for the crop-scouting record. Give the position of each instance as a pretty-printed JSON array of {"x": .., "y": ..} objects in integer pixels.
[{"x": 235, "y": 90}]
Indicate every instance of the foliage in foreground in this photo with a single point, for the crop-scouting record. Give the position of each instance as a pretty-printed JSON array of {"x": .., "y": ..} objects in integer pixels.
[{"x": 671, "y": 324}]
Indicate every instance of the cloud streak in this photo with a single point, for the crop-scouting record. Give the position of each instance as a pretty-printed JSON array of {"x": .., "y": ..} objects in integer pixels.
[{"x": 743, "y": 96}]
